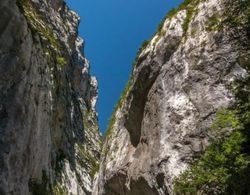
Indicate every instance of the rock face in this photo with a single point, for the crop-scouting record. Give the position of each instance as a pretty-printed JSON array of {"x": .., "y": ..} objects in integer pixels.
[
  {"x": 49, "y": 137},
  {"x": 178, "y": 83}
]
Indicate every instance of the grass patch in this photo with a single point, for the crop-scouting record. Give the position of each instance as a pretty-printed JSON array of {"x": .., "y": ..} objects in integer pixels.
[
  {"x": 143, "y": 46},
  {"x": 36, "y": 23},
  {"x": 190, "y": 6}
]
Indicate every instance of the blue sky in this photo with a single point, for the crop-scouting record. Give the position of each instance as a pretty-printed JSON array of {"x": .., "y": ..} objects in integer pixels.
[{"x": 113, "y": 31}]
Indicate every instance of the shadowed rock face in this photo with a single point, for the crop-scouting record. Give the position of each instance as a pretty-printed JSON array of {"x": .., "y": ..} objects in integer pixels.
[
  {"x": 117, "y": 185},
  {"x": 178, "y": 84},
  {"x": 49, "y": 138}
]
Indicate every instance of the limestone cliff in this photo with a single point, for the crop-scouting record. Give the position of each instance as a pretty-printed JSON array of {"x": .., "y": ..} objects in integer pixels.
[
  {"x": 180, "y": 83},
  {"x": 49, "y": 137}
]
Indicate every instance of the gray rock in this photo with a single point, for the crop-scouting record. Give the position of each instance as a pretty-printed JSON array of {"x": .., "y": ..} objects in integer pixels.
[
  {"x": 178, "y": 85},
  {"x": 50, "y": 139}
]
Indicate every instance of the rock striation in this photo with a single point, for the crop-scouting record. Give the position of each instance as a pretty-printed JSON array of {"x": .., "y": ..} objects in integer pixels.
[
  {"x": 179, "y": 82},
  {"x": 49, "y": 135}
]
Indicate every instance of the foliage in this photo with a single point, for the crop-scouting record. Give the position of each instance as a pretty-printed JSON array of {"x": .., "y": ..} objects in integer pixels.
[
  {"x": 36, "y": 22},
  {"x": 224, "y": 168},
  {"x": 211, "y": 174},
  {"x": 143, "y": 46},
  {"x": 239, "y": 16},
  {"x": 187, "y": 20},
  {"x": 59, "y": 190},
  {"x": 189, "y": 5},
  {"x": 225, "y": 121},
  {"x": 118, "y": 105},
  {"x": 94, "y": 170},
  {"x": 94, "y": 164},
  {"x": 60, "y": 61}
]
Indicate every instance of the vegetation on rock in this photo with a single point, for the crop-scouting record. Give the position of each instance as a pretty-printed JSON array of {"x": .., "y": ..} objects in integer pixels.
[
  {"x": 224, "y": 168},
  {"x": 36, "y": 23},
  {"x": 118, "y": 105},
  {"x": 60, "y": 61}
]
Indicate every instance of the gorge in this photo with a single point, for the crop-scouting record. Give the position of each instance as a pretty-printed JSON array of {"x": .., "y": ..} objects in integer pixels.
[{"x": 181, "y": 125}]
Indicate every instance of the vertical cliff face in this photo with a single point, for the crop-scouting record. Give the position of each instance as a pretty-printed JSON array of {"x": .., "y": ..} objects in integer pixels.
[
  {"x": 181, "y": 117},
  {"x": 49, "y": 136},
  {"x": 179, "y": 84}
]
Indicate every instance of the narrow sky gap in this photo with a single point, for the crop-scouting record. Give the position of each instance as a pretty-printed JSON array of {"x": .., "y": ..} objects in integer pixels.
[{"x": 113, "y": 31}]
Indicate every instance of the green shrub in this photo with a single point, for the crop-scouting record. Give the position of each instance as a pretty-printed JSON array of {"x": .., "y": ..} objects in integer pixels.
[
  {"x": 224, "y": 168},
  {"x": 60, "y": 61},
  {"x": 225, "y": 121},
  {"x": 211, "y": 174}
]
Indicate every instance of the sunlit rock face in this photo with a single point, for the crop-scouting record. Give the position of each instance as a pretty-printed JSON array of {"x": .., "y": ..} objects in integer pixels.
[
  {"x": 49, "y": 136},
  {"x": 178, "y": 84}
]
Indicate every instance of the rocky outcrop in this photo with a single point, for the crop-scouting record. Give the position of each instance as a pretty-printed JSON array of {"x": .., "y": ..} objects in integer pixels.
[
  {"x": 50, "y": 139},
  {"x": 179, "y": 82}
]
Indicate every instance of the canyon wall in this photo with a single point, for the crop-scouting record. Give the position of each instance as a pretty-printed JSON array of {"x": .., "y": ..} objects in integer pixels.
[
  {"x": 179, "y": 87},
  {"x": 49, "y": 136},
  {"x": 180, "y": 126}
]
